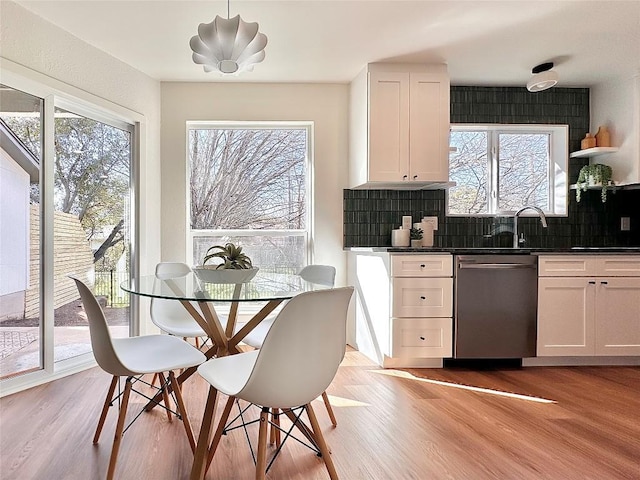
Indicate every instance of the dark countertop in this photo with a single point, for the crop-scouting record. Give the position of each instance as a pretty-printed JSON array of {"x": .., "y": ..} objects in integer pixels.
[{"x": 496, "y": 250}]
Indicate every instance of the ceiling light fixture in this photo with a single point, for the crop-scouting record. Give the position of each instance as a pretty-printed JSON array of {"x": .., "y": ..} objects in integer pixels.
[
  {"x": 543, "y": 78},
  {"x": 229, "y": 45}
]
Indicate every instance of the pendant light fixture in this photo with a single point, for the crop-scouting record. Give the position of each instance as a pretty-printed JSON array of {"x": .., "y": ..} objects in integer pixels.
[
  {"x": 228, "y": 46},
  {"x": 543, "y": 77}
]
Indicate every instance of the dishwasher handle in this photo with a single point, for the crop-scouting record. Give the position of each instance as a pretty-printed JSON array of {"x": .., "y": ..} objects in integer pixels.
[{"x": 496, "y": 266}]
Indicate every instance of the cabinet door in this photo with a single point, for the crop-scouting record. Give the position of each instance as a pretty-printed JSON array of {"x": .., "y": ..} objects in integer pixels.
[
  {"x": 428, "y": 127},
  {"x": 422, "y": 337},
  {"x": 388, "y": 126},
  {"x": 422, "y": 297},
  {"x": 566, "y": 316},
  {"x": 618, "y": 316}
]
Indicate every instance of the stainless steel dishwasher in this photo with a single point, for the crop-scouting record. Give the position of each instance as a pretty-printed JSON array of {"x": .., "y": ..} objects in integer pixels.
[{"x": 495, "y": 308}]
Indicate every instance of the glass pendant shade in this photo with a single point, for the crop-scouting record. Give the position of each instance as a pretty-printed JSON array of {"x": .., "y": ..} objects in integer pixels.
[{"x": 228, "y": 45}]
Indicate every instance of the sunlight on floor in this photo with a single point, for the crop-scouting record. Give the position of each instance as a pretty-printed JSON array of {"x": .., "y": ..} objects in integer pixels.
[
  {"x": 401, "y": 374},
  {"x": 344, "y": 402}
]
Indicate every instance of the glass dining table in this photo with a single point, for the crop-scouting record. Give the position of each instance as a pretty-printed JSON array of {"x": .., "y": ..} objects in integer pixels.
[{"x": 265, "y": 291}]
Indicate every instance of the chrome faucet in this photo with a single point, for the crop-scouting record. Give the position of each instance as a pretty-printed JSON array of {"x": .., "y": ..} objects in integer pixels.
[{"x": 543, "y": 220}]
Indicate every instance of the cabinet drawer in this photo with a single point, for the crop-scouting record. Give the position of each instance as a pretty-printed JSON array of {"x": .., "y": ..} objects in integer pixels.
[
  {"x": 421, "y": 337},
  {"x": 567, "y": 266},
  {"x": 422, "y": 297},
  {"x": 619, "y": 266},
  {"x": 421, "y": 265}
]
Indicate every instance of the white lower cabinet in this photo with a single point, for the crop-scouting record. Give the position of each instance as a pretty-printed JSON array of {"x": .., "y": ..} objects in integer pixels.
[
  {"x": 404, "y": 308},
  {"x": 589, "y": 305}
]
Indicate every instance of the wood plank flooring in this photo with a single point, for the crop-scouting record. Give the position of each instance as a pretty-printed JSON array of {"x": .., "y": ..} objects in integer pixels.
[{"x": 392, "y": 425}]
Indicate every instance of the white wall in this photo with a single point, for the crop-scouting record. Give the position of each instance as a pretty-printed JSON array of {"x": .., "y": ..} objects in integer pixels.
[
  {"x": 14, "y": 226},
  {"x": 82, "y": 70},
  {"x": 324, "y": 104},
  {"x": 616, "y": 104}
]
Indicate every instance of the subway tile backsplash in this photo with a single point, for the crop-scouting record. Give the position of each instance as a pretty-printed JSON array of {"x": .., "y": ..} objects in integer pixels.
[{"x": 370, "y": 215}]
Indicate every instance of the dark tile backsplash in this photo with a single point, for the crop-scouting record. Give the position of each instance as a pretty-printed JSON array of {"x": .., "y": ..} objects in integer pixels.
[{"x": 370, "y": 215}]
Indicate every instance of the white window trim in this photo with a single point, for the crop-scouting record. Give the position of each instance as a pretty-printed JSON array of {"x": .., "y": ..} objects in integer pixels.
[
  {"x": 559, "y": 153},
  {"x": 244, "y": 125}
]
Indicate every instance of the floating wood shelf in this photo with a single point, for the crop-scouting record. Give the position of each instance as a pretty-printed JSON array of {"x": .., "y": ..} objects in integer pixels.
[{"x": 593, "y": 152}]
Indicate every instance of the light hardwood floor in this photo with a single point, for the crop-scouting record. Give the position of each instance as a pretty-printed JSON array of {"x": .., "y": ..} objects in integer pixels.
[{"x": 392, "y": 425}]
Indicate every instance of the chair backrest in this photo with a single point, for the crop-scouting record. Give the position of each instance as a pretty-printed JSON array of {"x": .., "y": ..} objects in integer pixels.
[
  {"x": 320, "y": 274},
  {"x": 101, "y": 342},
  {"x": 163, "y": 308},
  {"x": 302, "y": 351}
]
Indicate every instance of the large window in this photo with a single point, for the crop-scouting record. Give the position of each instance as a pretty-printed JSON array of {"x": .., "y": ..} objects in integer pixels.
[
  {"x": 250, "y": 184},
  {"x": 501, "y": 168}
]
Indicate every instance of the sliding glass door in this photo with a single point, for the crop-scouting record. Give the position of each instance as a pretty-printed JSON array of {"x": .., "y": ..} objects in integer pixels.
[
  {"x": 21, "y": 148},
  {"x": 66, "y": 189},
  {"x": 91, "y": 223}
]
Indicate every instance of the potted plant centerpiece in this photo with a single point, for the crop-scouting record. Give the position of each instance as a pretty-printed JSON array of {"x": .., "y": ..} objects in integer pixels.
[
  {"x": 232, "y": 265},
  {"x": 594, "y": 175},
  {"x": 416, "y": 237}
]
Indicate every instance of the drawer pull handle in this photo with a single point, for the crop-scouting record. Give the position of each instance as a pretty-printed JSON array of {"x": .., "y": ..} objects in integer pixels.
[
  {"x": 423, "y": 298},
  {"x": 592, "y": 283},
  {"x": 422, "y": 338},
  {"x": 422, "y": 265},
  {"x": 604, "y": 283}
]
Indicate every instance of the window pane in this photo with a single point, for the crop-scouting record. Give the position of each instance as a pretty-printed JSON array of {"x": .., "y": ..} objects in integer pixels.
[
  {"x": 91, "y": 225},
  {"x": 280, "y": 254},
  {"x": 469, "y": 168},
  {"x": 251, "y": 179},
  {"x": 523, "y": 171},
  {"x": 20, "y": 246}
]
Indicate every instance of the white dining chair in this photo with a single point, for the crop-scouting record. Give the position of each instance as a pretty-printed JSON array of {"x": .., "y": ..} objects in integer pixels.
[
  {"x": 133, "y": 357},
  {"x": 319, "y": 274},
  {"x": 169, "y": 315},
  {"x": 298, "y": 360}
]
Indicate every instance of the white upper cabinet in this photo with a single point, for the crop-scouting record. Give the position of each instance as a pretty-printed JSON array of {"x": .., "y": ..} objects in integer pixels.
[{"x": 399, "y": 122}]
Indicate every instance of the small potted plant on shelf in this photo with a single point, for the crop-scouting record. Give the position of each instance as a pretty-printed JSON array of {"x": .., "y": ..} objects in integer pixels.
[
  {"x": 416, "y": 237},
  {"x": 592, "y": 176},
  {"x": 232, "y": 265}
]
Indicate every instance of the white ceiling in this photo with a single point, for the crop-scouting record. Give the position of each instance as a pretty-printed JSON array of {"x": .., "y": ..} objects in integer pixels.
[{"x": 483, "y": 42}]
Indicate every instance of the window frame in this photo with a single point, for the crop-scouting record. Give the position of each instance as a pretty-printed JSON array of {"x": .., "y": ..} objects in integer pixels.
[
  {"x": 557, "y": 171},
  {"x": 255, "y": 125}
]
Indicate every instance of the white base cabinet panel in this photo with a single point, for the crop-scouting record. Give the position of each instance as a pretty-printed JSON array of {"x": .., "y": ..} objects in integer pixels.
[
  {"x": 422, "y": 337},
  {"x": 589, "y": 305}
]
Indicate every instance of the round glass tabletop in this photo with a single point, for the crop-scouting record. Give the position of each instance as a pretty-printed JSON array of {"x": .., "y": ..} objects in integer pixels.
[{"x": 264, "y": 286}]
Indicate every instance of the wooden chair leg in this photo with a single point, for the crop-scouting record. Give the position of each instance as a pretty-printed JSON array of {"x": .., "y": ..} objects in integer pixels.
[
  {"x": 218, "y": 433},
  {"x": 198, "y": 470},
  {"x": 322, "y": 446},
  {"x": 198, "y": 343},
  {"x": 153, "y": 380},
  {"x": 274, "y": 429},
  {"x": 119, "y": 429},
  {"x": 165, "y": 394},
  {"x": 261, "y": 462},
  {"x": 105, "y": 409},
  {"x": 182, "y": 409},
  {"x": 327, "y": 404}
]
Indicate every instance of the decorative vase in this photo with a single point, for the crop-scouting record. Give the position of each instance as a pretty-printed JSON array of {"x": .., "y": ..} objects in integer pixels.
[
  {"x": 416, "y": 242},
  {"x": 602, "y": 137},
  {"x": 589, "y": 141}
]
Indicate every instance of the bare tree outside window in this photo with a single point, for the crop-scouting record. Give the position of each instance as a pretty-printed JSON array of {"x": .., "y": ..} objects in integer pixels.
[
  {"x": 249, "y": 186},
  {"x": 499, "y": 169}
]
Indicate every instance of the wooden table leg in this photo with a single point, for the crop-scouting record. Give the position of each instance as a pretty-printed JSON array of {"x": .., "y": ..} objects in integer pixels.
[{"x": 199, "y": 468}]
